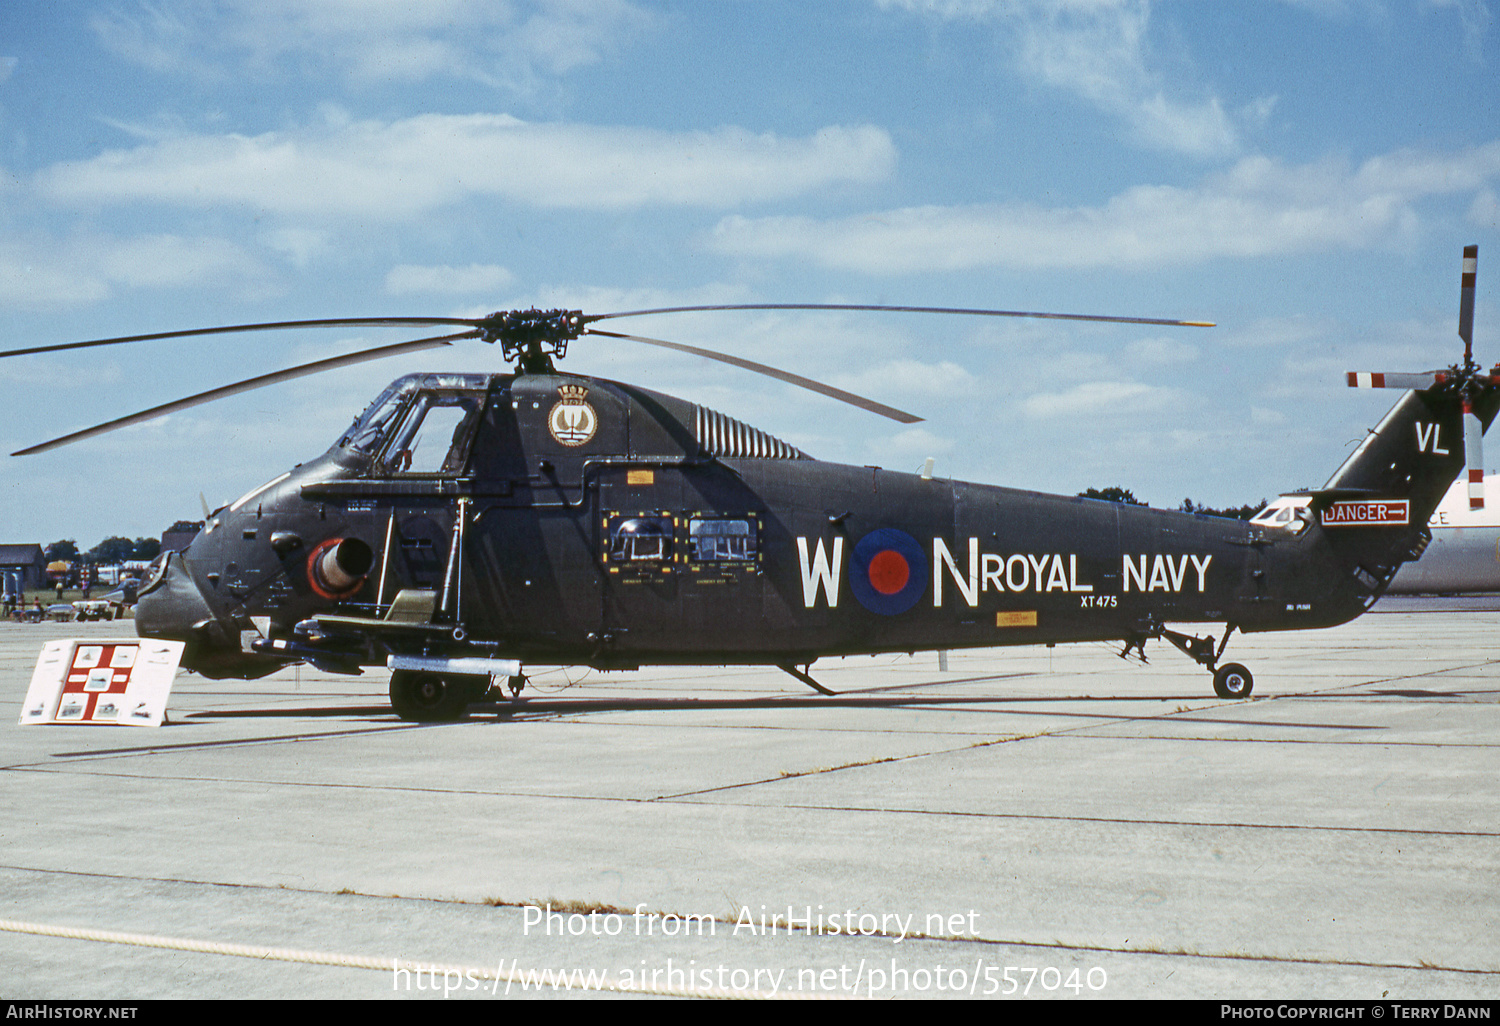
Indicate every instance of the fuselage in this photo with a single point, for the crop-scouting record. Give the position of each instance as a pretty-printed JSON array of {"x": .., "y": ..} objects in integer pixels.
[{"x": 558, "y": 519}]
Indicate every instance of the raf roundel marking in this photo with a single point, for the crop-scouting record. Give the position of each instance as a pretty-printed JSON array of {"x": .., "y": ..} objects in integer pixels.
[
  {"x": 889, "y": 573},
  {"x": 572, "y": 421}
]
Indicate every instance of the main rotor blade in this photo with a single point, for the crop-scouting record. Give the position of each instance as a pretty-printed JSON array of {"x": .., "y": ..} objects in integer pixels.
[
  {"x": 905, "y": 309},
  {"x": 248, "y": 385},
  {"x": 339, "y": 322},
  {"x": 796, "y": 379}
]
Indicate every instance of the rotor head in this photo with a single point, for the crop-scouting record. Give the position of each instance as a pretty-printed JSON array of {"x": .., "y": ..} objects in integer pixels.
[{"x": 532, "y": 337}]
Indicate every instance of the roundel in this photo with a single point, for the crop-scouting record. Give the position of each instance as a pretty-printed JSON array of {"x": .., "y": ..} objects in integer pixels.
[{"x": 888, "y": 574}]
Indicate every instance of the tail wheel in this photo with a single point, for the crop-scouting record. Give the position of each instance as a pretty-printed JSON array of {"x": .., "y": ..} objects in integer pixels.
[
  {"x": 434, "y": 697},
  {"x": 1233, "y": 681}
]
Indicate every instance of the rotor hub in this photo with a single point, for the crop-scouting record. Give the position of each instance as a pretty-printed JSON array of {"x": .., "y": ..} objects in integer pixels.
[{"x": 532, "y": 337}]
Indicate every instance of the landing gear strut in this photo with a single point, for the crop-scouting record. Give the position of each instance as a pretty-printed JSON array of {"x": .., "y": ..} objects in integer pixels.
[{"x": 1230, "y": 680}]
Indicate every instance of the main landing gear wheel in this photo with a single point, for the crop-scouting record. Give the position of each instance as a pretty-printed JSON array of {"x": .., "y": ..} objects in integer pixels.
[
  {"x": 434, "y": 697},
  {"x": 1233, "y": 681}
]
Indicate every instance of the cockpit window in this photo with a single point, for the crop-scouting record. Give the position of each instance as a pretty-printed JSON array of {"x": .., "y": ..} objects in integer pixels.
[
  {"x": 434, "y": 436},
  {"x": 1287, "y": 515},
  {"x": 370, "y": 427}
]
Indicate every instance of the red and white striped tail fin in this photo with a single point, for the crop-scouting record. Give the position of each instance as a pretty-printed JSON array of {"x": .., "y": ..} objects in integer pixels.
[{"x": 1360, "y": 379}]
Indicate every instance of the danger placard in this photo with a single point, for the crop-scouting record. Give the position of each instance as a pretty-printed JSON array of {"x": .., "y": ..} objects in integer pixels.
[
  {"x": 121, "y": 682},
  {"x": 1368, "y": 513}
]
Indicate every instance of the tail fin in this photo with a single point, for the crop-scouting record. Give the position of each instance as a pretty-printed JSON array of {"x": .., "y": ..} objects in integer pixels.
[{"x": 1375, "y": 507}]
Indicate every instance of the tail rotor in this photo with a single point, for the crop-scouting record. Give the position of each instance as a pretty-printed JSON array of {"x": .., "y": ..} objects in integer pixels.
[
  {"x": 1466, "y": 379},
  {"x": 1473, "y": 430}
]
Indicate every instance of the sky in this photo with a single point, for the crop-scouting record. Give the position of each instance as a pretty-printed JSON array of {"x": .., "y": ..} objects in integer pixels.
[{"x": 1304, "y": 173}]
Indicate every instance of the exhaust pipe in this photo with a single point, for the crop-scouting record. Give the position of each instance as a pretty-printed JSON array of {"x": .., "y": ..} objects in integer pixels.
[{"x": 339, "y": 566}]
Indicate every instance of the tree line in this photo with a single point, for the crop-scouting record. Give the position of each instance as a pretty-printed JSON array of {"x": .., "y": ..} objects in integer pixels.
[
  {"x": 1116, "y": 494},
  {"x": 116, "y": 549},
  {"x": 107, "y": 553}
]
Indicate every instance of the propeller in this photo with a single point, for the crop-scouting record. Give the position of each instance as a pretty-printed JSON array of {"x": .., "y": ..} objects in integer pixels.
[
  {"x": 1466, "y": 377},
  {"x": 529, "y": 337}
]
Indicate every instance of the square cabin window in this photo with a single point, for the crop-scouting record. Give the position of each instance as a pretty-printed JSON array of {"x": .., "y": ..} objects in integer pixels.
[
  {"x": 721, "y": 540},
  {"x": 641, "y": 540}
]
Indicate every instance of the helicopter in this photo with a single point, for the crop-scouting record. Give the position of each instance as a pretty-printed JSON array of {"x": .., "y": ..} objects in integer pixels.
[{"x": 467, "y": 526}]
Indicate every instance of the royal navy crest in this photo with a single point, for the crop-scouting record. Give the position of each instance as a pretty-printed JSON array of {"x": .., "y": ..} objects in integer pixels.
[{"x": 572, "y": 420}]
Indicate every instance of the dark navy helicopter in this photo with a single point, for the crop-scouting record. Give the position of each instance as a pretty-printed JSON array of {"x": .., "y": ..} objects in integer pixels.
[{"x": 467, "y": 525}]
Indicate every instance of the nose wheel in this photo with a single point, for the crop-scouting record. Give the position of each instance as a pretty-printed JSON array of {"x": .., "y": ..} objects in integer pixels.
[{"x": 1233, "y": 681}]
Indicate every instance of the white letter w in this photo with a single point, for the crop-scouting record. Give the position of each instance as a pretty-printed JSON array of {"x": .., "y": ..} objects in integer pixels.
[{"x": 819, "y": 572}]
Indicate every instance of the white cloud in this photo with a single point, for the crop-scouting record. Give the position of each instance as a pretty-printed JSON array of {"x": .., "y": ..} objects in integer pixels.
[
  {"x": 398, "y": 170},
  {"x": 1101, "y": 399},
  {"x": 43, "y": 275},
  {"x": 1259, "y": 207},
  {"x": 912, "y": 377},
  {"x": 1098, "y": 51},
  {"x": 1338, "y": 8},
  {"x": 299, "y": 245},
  {"x": 368, "y": 41},
  {"x": 406, "y": 279},
  {"x": 1162, "y": 351},
  {"x": 907, "y": 449}
]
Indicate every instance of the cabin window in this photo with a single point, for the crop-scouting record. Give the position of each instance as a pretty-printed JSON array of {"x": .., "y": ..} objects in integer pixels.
[
  {"x": 434, "y": 437},
  {"x": 641, "y": 540},
  {"x": 721, "y": 540}
]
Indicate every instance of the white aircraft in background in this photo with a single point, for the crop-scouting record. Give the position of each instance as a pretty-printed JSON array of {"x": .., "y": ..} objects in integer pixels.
[{"x": 1464, "y": 555}]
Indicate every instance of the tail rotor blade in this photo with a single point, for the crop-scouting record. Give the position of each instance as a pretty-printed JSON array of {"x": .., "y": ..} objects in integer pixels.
[
  {"x": 1359, "y": 379},
  {"x": 1466, "y": 298},
  {"x": 1474, "y": 456}
]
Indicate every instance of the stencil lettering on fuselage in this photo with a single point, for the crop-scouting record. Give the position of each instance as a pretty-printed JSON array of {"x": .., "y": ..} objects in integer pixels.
[
  {"x": 1428, "y": 438},
  {"x": 818, "y": 572},
  {"x": 1163, "y": 573},
  {"x": 890, "y": 573}
]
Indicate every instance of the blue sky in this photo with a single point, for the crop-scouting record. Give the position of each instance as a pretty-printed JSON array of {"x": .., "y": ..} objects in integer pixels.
[{"x": 1303, "y": 172}]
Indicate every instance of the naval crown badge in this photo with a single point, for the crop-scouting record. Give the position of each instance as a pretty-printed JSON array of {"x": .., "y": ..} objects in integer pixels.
[{"x": 572, "y": 421}]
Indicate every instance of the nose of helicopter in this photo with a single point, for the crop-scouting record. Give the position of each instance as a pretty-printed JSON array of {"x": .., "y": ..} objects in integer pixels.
[{"x": 173, "y": 607}]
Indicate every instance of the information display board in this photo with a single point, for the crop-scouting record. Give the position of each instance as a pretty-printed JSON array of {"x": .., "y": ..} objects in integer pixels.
[{"x": 118, "y": 682}]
